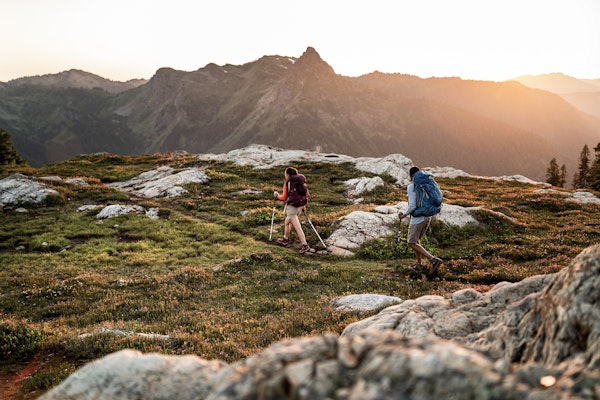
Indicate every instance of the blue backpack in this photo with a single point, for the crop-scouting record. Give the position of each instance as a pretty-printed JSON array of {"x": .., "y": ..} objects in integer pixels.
[{"x": 429, "y": 195}]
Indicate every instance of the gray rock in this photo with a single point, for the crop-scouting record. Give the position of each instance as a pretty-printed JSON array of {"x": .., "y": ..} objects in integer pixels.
[
  {"x": 371, "y": 365},
  {"x": 544, "y": 319},
  {"x": 358, "y": 186},
  {"x": 76, "y": 181},
  {"x": 89, "y": 207},
  {"x": 556, "y": 324},
  {"x": 581, "y": 197},
  {"x": 363, "y": 303},
  {"x": 394, "y": 165},
  {"x": 129, "y": 374},
  {"x": 353, "y": 230},
  {"x": 162, "y": 182},
  {"x": 115, "y": 210},
  {"x": 462, "y": 317},
  {"x": 20, "y": 189},
  {"x": 264, "y": 157}
]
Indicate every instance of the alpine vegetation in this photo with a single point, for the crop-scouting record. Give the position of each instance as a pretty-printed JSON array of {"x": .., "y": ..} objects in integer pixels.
[{"x": 159, "y": 276}]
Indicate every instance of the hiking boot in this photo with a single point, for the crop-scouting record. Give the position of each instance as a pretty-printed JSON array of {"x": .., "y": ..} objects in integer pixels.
[
  {"x": 435, "y": 264},
  {"x": 304, "y": 248},
  {"x": 283, "y": 241},
  {"x": 416, "y": 267}
]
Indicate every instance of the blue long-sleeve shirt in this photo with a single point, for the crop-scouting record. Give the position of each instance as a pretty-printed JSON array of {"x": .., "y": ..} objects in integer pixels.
[{"x": 412, "y": 205}]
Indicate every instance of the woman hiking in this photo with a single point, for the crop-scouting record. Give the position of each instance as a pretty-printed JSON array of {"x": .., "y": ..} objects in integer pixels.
[{"x": 295, "y": 196}]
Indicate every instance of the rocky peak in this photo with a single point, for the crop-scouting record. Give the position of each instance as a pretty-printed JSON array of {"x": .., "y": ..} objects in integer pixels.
[
  {"x": 163, "y": 84},
  {"x": 311, "y": 61}
]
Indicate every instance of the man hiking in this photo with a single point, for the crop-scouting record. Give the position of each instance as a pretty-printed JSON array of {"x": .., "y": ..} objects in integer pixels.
[
  {"x": 418, "y": 225},
  {"x": 295, "y": 196}
]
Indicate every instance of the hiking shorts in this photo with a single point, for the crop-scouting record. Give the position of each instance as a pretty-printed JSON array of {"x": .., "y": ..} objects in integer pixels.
[
  {"x": 417, "y": 231},
  {"x": 291, "y": 211}
]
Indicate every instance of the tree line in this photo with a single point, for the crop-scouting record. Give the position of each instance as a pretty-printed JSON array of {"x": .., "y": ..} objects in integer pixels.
[
  {"x": 586, "y": 177},
  {"x": 8, "y": 154}
]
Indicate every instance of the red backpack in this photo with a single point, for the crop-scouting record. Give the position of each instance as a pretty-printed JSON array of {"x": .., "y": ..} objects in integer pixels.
[{"x": 297, "y": 191}]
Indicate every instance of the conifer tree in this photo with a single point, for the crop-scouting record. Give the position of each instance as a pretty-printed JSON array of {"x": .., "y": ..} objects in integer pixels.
[
  {"x": 595, "y": 170},
  {"x": 563, "y": 176},
  {"x": 8, "y": 154},
  {"x": 581, "y": 178},
  {"x": 552, "y": 173}
]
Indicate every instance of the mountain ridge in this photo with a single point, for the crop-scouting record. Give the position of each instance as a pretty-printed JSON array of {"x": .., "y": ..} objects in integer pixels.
[
  {"x": 75, "y": 78},
  {"x": 486, "y": 128}
]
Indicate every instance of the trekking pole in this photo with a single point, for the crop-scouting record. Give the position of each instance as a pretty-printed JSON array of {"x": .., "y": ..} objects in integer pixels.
[
  {"x": 314, "y": 229},
  {"x": 398, "y": 244},
  {"x": 398, "y": 248},
  {"x": 272, "y": 220}
]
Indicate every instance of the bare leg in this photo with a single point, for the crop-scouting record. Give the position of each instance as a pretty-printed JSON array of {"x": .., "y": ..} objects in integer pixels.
[
  {"x": 298, "y": 228},
  {"x": 287, "y": 228},
  {"x": 420, "y": 252}
]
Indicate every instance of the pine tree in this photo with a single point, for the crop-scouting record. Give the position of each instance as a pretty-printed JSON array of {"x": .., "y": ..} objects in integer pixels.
[
  {"x": 552, "y": 174},
  {"x": 581, "y": 178},
  {"x": 595, "y": 170},
  {"x": 8, "y": 154},
  {"x": 563, "y": 176}
]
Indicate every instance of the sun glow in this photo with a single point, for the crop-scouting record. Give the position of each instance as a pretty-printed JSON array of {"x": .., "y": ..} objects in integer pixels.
[{"x": 491, "y": 40}]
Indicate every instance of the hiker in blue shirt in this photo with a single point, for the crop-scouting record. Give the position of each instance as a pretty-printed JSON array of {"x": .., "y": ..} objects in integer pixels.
[{"x": 417, "y": 228}]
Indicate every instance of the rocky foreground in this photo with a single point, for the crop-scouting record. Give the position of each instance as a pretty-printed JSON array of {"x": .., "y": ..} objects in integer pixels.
[{"x": 535, "y": 339}]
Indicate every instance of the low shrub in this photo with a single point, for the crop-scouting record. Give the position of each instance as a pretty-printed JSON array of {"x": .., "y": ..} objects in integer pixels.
[
  {"x": 45, "y": 380},
  {"x": 18, "y": 340},
  {"x": 386, "y": 249}
]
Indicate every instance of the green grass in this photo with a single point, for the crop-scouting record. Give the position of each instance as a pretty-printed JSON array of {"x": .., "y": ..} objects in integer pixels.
[{"x": 206, "y": 275}]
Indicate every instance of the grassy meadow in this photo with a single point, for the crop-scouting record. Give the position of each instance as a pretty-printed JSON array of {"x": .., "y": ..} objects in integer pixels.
[{"x": 205, "y": 276}]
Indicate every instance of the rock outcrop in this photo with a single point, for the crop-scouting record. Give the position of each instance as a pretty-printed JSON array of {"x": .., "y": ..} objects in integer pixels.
[
  {"x": 358, "y": 186},
  {"x": 161, "y": 182},
  {"x": 363, "y": 303},
  {"x": 395, "y": 165},
  {"x": 21, "y": 189},
  {"x": 358, "y": 227},
  {"x": 581, "y": 197},
  {"x": 114, "y": 210},
  {"x": 264, "y": 157},
  {"x": 539, "y": 338}
]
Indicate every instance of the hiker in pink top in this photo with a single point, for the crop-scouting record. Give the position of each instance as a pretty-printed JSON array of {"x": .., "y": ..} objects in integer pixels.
[{"x": 295, "y": 196}]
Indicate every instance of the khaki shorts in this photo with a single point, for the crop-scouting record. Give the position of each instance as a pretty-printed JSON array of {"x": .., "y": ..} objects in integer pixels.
[
  {"x": 290, "y": 210},
  {"x": 417, "y": 231}
]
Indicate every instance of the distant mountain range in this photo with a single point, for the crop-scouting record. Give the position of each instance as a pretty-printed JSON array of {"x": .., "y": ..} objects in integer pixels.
[
  {"x": 582, "y": 93},
  {"x": 482, "y": 127}
]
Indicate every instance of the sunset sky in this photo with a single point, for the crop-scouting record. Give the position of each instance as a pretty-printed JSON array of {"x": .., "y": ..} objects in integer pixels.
[{"x": 472, "y": 39}]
